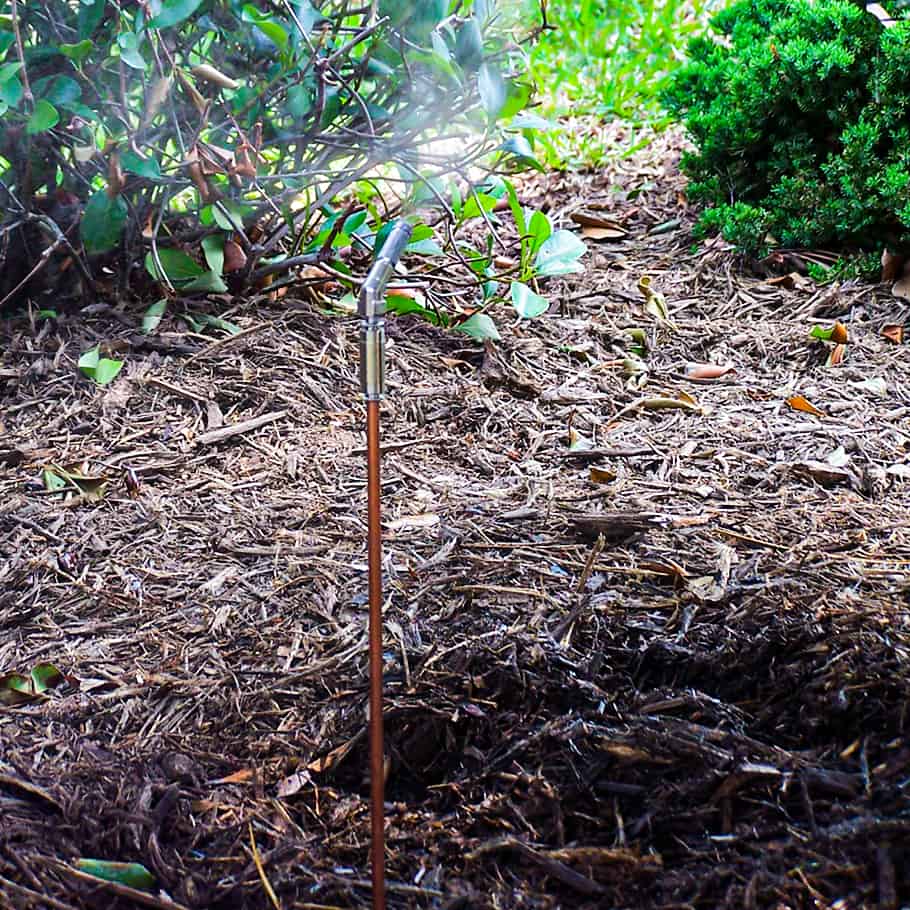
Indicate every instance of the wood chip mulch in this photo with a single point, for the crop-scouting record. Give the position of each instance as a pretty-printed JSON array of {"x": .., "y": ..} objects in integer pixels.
[{"x": 637, "y": 655}]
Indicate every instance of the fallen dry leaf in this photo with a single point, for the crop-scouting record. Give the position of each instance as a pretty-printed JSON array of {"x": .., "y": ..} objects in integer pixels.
[
  {"x": 234, "y": 257},
  {"x": 602, "y": 475},
  {"x": 789, "y": 281},
  {"x": 684, "y": 402},
  {"x": 837, "y": 355},
  {"x": 414, "y": 294},
  {"x": 414, "y": 522},
  {"x": 687, "y": 398},
  {"x": 325, "y": 762},
  {"x": 839, "y": 333},
  {"x": 798, "y": 403},
  {"x": 603, "y": 233},
  {"x": 893, "y": 332},
  {"x": 824, "y": 474},
  {"x": 238, "y": 777},
  {"x": 590, "y": 220},
  {"x": 655, "y": 303},
  {"x": 453, "y": 362},
  {"x": 707, "y": 370}
]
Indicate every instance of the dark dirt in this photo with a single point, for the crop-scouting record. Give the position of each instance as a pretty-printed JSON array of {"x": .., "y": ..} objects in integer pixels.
[{"x": 706, "y": 706}]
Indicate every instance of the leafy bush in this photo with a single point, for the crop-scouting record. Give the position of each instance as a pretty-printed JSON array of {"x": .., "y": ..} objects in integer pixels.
[
  {"x": 800, "y": 110},
  {"x": 223, "y": 143}
]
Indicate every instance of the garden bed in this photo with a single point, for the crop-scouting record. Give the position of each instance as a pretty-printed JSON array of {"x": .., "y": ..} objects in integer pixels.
[{"x": 708, "y": 705}]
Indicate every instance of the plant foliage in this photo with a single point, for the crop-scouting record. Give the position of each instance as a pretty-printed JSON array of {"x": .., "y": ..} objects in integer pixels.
[
  {"x": 613, "y": 57},
  {"x": 224, "y": 144},
  {"x": 800, "y": 111}
]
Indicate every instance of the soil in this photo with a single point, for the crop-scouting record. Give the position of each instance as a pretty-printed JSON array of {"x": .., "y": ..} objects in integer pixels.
[{"x": 637, "y": 655}]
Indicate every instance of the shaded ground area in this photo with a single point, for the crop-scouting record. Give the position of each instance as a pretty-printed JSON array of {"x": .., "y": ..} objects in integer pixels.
[{"x": 667, "y": 667}]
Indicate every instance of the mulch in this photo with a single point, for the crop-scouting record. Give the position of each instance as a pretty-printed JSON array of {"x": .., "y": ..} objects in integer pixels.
[{"x": 637, "y": 655}]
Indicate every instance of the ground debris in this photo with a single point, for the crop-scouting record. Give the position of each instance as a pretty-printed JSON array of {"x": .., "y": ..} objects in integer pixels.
[{"x": 680, "y": 681}]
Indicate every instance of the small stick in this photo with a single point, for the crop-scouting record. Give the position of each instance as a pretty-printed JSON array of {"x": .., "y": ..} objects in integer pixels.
[
  {"x": 40, "y": 264},
  {"x": 20, "y": 53},
  {"x": 238, "y": 429}
]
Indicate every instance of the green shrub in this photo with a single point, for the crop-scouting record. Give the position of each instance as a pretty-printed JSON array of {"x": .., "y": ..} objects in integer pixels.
[
  {"x": 226, "y": 143},
  {"x": 800, "y": 111}
]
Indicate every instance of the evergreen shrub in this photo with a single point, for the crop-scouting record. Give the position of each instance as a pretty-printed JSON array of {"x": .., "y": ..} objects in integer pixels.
[{"x": 800, "y": 113}]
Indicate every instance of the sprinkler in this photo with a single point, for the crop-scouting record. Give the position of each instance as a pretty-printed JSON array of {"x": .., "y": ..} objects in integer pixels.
[{"x": 372, "y": 380}]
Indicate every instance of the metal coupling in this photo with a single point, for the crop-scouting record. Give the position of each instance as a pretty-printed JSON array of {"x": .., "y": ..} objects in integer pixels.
[
  {"x": 372, "y": 358},
  {"x": 371, "y": 306}
]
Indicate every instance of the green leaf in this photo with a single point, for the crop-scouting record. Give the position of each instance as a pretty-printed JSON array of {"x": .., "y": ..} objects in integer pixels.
[
  {"x": 77, "y": 52},
  {"x": 836, "y": 332},
  {"x": 480, "y": 326},
  {"x": 221, "y": 212},
  {"x": 216, "y": 322},
  {"x": 354, "y": 222},
  {"x": 173, "y": 12},
  {"x": 101, "y": 369},
  {"x": 102, "y": 222},
  {"x": 44, "y": 117},
  {"x": 89, "y": 360},
  {"x": 7, "y": 40},
  {"x": 129, "y": 50},
  {"x": 300, "y": 100},
  {"x": 8, "y": 70},
  {"x": 46, "y": 676},
  {"x": 58, "y": 90},
  {"x": 517, "y": 96},
  {"x": 211, "y": 282},
  {"x": 401, "y": 306},
  {"x": 11, "y": 92},
  {"x": 213, "y": 249},
  {"x": 440, "y": 48},
  {"x": 107, "y": 370},
  {"x": 331, "y": 108},
  {"x": 381, "y": 235},
  {"x": 425, "y": 248},
  {"x": 16, "y": 689},
  {"x": 518, "y": 212},
  {"x": 133, "y": 875},
  {"x": 455, "y": 199},
  {"x": 89, "y": 17},
  {"x": 492, "y": 88},
  {"x": 477, "y": 261},
  {"x": 540, "y": 230},
  {"x": 527, "y": 304},
  {"x": 52, "y": 481},
  {"x": 476, "y": 202},
  {"x": 152, "y": 316},
  {"x": 275, "y": 32},
  {"x": 559, "y": 255},
  {"x": 178, "y": 267},
  {"x": 143, "y": 167},
  {"x": 520, "y": 148},
  {"x": 469, "y": 45},
  {"x": 528, "y": 120}
]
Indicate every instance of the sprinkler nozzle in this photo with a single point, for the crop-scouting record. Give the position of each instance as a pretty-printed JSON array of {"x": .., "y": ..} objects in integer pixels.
[{"x": 371, "y": 307}]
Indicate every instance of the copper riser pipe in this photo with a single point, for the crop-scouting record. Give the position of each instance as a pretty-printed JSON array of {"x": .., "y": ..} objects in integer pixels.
[{"x": 377, "y": 759}]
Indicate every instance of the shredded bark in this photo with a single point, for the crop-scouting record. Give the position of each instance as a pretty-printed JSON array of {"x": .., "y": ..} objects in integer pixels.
[{"x": 653, "y": 661}]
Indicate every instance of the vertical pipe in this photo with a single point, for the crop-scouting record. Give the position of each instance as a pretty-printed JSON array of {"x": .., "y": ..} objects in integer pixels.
[{"x": 377, "y": 758}]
